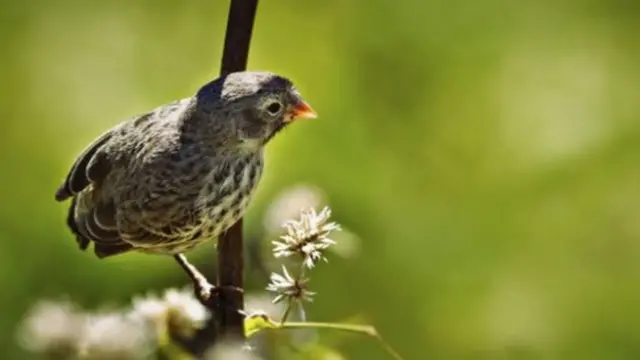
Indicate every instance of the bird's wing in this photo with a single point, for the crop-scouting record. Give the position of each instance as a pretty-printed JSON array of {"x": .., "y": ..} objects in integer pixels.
[
  {"x": 79, "y": 176},
  {"x": 91, "y": 215},
  {"x": 92, "y": 218},
  {"x": 93, "y": 164},
  {"x": 99, "y": 176}
]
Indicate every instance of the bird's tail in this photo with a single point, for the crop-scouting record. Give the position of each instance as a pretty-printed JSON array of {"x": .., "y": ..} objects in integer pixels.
[{"x": 94, "y": 222}]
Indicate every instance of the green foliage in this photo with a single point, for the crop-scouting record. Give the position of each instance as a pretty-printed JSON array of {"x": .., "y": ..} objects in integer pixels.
[{"x": 483, "y": 153}]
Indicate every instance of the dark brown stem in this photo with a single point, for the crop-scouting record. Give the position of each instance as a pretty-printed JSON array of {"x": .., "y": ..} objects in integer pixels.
[
  {"x": 231, "y": 276},
  {"x": 226, "y": 306},
  {"x": 242, "y": 14},
  {"x": 231, "y": 244}
]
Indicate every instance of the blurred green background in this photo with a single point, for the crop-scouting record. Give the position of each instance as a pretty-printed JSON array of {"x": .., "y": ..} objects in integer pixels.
[{"x": 486, "y": 153}]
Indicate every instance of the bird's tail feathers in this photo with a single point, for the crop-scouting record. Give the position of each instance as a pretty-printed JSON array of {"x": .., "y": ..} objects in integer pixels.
[{"x": 94, "y": 222}]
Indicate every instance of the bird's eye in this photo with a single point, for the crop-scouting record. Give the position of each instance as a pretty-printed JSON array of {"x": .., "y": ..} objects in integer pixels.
[{"x": 274, "y": 108}]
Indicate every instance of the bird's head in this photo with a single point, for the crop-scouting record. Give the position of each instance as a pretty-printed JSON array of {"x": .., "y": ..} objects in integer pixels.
[{"x": 258, "y": 105}]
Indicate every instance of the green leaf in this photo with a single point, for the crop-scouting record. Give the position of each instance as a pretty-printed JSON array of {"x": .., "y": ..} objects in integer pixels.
[{"x": 257, "y": 322}]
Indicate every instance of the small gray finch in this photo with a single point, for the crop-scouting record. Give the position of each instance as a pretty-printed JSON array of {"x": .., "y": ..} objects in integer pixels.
[{"x": 165, "y": 181}]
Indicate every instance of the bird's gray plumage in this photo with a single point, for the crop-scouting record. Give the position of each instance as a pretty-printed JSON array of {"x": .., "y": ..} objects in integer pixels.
[{"x": 184, "y": 172}]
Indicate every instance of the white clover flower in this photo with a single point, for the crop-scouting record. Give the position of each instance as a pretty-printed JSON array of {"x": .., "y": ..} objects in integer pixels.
[
  {"x": 185, "y": 313},
  {"x": 114, "y": 336},
  {"x": 149, "y": 308},
  {"x": 308, "y": 237},
  {"x": 53, "y": 328},
  {"x": 289, "y": 288},
  {"x": 178, "y": 311}
]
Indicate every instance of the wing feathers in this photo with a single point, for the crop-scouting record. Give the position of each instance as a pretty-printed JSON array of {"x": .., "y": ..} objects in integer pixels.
[
  {"x": 82, "y": 240},
  {"x": 94, "y": 221},
  {"x": 78, "y": 177}
]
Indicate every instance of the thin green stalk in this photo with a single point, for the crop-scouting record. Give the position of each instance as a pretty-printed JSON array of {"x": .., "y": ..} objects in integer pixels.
[
  {"x": 358, "y": 329},
  {"x": 287, "y": 311}
]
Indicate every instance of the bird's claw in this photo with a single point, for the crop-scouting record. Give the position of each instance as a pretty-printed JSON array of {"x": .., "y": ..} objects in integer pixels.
[{"x": 205, "y": 291}]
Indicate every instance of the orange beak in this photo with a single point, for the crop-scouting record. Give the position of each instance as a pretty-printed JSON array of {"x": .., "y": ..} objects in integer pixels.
[{"x": 301, "y": 110}]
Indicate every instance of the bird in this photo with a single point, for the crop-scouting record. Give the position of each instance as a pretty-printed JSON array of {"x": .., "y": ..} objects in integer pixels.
[{"x": 169, "y": 179}]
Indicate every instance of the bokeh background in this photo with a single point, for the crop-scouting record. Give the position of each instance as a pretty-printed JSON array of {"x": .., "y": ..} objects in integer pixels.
[{"x": 484, "y": 155}]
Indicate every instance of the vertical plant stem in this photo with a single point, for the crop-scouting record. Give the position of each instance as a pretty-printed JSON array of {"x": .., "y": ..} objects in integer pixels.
[
  {"x": 230, "y": 250},
  {"x": 226, "y": 308},
  {"x": 238, "y": 36}
]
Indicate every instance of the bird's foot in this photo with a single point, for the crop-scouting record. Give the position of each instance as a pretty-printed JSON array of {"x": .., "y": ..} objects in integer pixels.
[
  {"x": 208, "y": 293},
  {"x": 205, "y": 292},
  {"x": 203, "y": 289}
]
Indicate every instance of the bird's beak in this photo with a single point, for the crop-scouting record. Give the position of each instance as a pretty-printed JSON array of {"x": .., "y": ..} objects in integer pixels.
[{"x": 301, "y": 110}]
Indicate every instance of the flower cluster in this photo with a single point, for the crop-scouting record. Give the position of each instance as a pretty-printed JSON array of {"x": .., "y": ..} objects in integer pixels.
[
  {"x": 60, "y": 330},
  {"x": 288, "y": 287},
  {"x": 177, "y": 312},
  {"x": 306, "y": 239}
]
